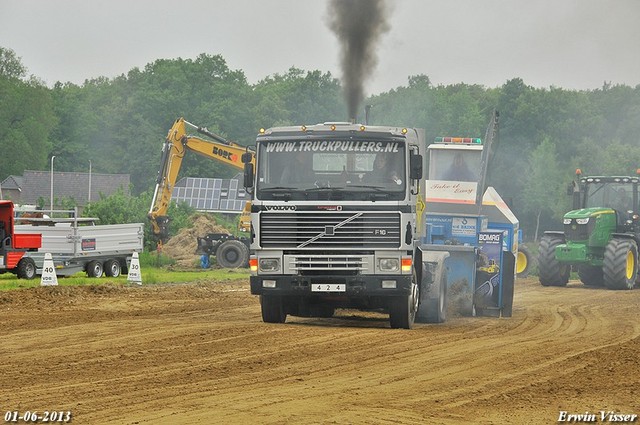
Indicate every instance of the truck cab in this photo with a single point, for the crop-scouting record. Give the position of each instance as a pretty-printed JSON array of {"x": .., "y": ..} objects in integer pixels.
[{"x": 333, "y": 217}]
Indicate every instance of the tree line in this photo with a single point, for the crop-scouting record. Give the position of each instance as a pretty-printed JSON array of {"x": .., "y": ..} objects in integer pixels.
[{"x": 119, "y": 123}]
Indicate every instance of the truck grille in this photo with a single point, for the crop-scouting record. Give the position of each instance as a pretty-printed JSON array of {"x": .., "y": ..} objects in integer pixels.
[
  {"x": 333, "y": 230},
  {"x": 329, "y": 264}
]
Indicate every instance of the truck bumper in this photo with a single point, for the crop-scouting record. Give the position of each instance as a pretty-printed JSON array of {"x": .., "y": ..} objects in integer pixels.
[{"x": 354, "y": 286}]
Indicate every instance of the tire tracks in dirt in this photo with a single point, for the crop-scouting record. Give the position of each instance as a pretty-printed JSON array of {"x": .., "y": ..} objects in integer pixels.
[{"x": 201, "y": 354}]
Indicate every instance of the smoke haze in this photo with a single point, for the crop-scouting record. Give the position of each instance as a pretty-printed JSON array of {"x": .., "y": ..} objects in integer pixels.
[{"x": 358, "y": 25}]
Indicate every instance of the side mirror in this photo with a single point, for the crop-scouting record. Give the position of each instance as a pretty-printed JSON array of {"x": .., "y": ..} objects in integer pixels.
[
  {"x": 248, "y": 174},
  {"x": 415, "y": 166}
]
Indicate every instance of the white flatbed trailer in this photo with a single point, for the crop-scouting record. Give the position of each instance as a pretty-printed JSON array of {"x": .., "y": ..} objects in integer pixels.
[{"x": 77, "y": 244}]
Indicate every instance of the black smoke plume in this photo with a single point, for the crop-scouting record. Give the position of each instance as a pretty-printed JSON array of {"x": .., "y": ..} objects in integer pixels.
[{"x": 358, "y": 24}]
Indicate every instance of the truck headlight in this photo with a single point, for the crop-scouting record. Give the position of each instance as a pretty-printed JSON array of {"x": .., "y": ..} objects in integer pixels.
[
  {"x": 582, "y": 220},
  {"x": 566, "y": 221},
  {"x": 269, "y": 264},
  {"x": 389, "y": 264}
]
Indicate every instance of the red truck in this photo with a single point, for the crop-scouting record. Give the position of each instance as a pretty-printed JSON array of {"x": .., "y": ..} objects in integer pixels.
[{"x": 14, "y": 246}]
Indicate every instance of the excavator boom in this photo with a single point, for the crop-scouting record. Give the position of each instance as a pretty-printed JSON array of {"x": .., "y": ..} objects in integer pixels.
[{"x": 177, "y": 143}]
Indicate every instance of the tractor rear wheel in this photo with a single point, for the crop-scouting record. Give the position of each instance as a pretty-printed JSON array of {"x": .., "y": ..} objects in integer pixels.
[
  {"x": 551, "y": 272},
  {"x": 620, "y": 265},
  {"x": 524, "y": 261}
]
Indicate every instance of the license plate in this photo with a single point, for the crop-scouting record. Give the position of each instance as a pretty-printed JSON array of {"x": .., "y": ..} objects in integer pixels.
[{"x": 329, "y": 287}]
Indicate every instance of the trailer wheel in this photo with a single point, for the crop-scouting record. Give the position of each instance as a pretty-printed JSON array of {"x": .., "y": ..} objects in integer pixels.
[
  {"x": 272, "y": 309},
  {"x": 26, "y": 268},
  {"x": 620, "y": 265},
  {"x": 550, "y": 271},
  {"x": 112, "y": 268},
  {"x": 591, "y": 275},
  {"x": 94, "y": 269},
  {"x": 524, "y": 261},
  {"x": 402, "y": 311},
  {"x": 232, "y": 254}
]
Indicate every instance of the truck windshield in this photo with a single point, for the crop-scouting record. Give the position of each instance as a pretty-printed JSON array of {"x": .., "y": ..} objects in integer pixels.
[
  {"x": 329, "y": 169},
  {"x": 454, "y": 165}
]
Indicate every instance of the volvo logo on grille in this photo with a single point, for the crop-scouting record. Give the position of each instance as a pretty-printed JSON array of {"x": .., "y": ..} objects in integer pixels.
[
  {"x": 280, "y": 207},
  {"x": 329, "y": 230}
]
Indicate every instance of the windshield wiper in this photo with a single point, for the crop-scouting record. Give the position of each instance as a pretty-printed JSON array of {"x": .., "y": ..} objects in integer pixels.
[
  {"x": 364, "y": 186},
  {"x": 282, "y": 192},
  {"x": 325, "y": 189},
  {"x": 278, "y": 189}
]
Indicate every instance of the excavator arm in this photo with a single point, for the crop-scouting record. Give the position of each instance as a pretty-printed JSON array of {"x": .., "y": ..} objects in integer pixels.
[{"x": 176, "y": 145}]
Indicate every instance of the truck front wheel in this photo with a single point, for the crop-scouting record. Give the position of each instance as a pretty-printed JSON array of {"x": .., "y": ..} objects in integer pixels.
[
  {"x": 402, "y": 311},
  {"x": 551, "y": 272},
  {"x": 620, "y": 265},
  {"x": 272, "y": 309},
  {"x": 26, "y": 268}
]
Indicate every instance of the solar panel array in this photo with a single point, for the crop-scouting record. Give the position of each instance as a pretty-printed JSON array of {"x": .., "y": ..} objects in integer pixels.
[{"x": 211, "y": 195}]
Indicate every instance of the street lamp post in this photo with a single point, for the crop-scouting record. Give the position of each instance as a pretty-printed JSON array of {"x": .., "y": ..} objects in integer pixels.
[
  {"x": 89, "y": 197},
  {"x": 51, "y": 195}
]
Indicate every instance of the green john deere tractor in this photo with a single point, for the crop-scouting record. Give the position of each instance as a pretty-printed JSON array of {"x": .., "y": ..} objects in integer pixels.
[{"x": 600, "y": 238}]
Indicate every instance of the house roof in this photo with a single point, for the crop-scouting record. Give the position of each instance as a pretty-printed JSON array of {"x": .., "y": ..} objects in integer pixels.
[
  {"x": 73, "y": 185},
  {"x": 12, "y": 183}
]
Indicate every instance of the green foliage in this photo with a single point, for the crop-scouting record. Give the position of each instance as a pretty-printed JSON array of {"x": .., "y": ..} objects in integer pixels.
[
  {"x": 121, "y": 208},
  {"x": 542, "y": 184},
  {"x": 154, "y": 259},
  {"x": 119, "y": 125},
  {"x": 26, "y": 118}
]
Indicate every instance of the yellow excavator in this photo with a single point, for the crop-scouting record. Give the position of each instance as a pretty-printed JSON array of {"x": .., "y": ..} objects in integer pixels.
[{"x": 229, "y": 250}]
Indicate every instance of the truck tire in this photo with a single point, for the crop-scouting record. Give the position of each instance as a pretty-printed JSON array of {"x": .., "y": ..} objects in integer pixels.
[
  {"x": 591, "y": 275},
  {"x": 524, "y": 261},
  {"x": 435, "y": 308},
  {"x": 620, "y": 265},
  {"x": 272, "y": 309},
  {"x": 232, "y": 254},
  {"x": 26, "y": 268},
  {"x": 112, "y": 268},
  {"x": 94, "y": 269},
  {"x": 402, "y": 310},
  {"x": 550, "y": 271}
]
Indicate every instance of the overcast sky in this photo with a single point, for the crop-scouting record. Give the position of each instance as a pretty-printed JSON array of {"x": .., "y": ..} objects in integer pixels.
[{"x": 573, "y": 44}]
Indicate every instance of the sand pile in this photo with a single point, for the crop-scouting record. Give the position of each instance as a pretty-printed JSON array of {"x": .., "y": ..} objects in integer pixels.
[{"x": 182, "y": 247}]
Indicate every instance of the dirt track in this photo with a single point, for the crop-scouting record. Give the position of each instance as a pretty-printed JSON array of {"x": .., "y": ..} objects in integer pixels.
[{"x": 201, "y": 354}]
